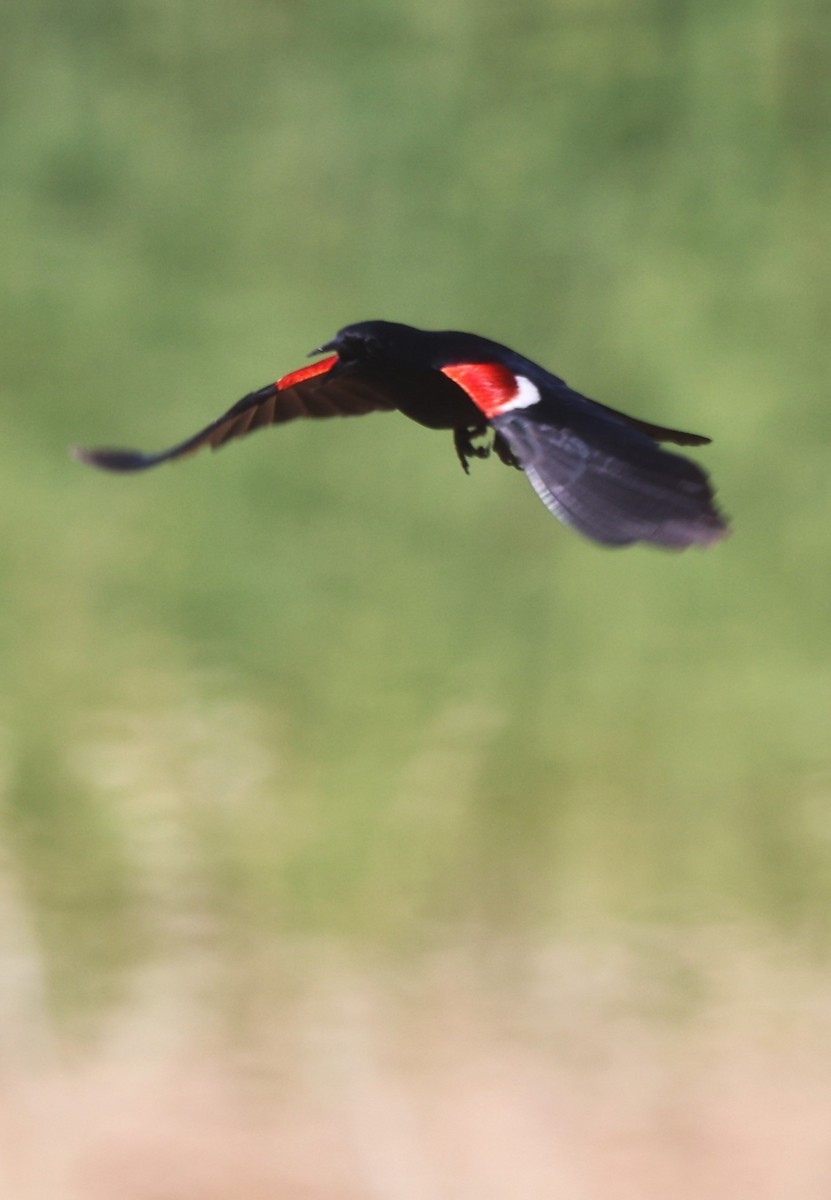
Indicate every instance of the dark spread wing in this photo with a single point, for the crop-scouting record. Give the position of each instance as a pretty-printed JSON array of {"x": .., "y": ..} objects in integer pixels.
[
  {"x": 658, "y": 433},
  {"x": 326, "y": 388},
  {"x": 611, "y": 483}
]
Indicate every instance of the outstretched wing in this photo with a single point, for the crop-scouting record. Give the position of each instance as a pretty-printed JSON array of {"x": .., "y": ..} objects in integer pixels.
[
  {"x": 596, "y": 469},
  {"x": 326, "y": 388},
  {"x": 658, "y": 433},
  {"x": 612, "y": 483}
]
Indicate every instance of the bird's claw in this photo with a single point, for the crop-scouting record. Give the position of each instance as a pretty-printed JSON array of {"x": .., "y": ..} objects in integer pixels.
[
  {"x": 504, "y": 452},
  {"x": 465, "y": 447}
]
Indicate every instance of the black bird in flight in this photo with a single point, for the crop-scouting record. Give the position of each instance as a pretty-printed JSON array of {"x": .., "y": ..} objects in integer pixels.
[{"x": 596, "y": 469}]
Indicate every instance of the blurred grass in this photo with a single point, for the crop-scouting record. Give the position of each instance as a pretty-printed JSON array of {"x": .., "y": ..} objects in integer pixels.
[{"x": 364, "y": 696}]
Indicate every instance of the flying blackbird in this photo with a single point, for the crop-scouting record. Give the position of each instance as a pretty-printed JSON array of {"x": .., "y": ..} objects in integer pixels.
[{"x": 598, "y": 470}]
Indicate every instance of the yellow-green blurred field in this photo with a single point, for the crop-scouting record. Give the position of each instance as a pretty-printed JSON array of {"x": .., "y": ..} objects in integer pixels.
[{"x": 363, "y": 794}]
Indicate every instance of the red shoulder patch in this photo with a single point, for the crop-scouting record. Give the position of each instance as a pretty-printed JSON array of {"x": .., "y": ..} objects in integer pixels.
[
  {"x": 316, "y": 368},
  {"x": 489, "y": 385},
  {"x": 493, "y": 388}
]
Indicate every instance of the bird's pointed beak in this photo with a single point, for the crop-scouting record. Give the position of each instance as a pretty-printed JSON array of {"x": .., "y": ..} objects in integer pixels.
[{"x": 322, "y": 349}]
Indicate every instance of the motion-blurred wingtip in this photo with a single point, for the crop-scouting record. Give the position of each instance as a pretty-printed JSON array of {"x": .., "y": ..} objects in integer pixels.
[
  {"x": 717, "y": 531},
  {"x": 110, "y": 460}
]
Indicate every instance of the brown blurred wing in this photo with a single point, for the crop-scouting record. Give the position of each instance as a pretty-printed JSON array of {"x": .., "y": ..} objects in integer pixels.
[{"x": 326, "y": 388}]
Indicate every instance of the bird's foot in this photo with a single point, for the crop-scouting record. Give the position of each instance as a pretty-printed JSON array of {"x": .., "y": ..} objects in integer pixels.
[
  {"x": 466, "y": 448},
  {"x": 504, "y": 453}
]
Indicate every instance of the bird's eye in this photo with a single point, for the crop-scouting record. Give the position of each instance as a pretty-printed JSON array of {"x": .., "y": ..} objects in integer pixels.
[{"x": 362, "y": 345}]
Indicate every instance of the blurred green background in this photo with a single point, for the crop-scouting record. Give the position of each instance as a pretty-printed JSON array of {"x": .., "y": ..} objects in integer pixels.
[{"x": 321, "y": 686}]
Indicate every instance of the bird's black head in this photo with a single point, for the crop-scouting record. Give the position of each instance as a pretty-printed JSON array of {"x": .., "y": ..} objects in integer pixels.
[
  {"x": 406, "y": 346},
  {"x": 379, "y": 340}
]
